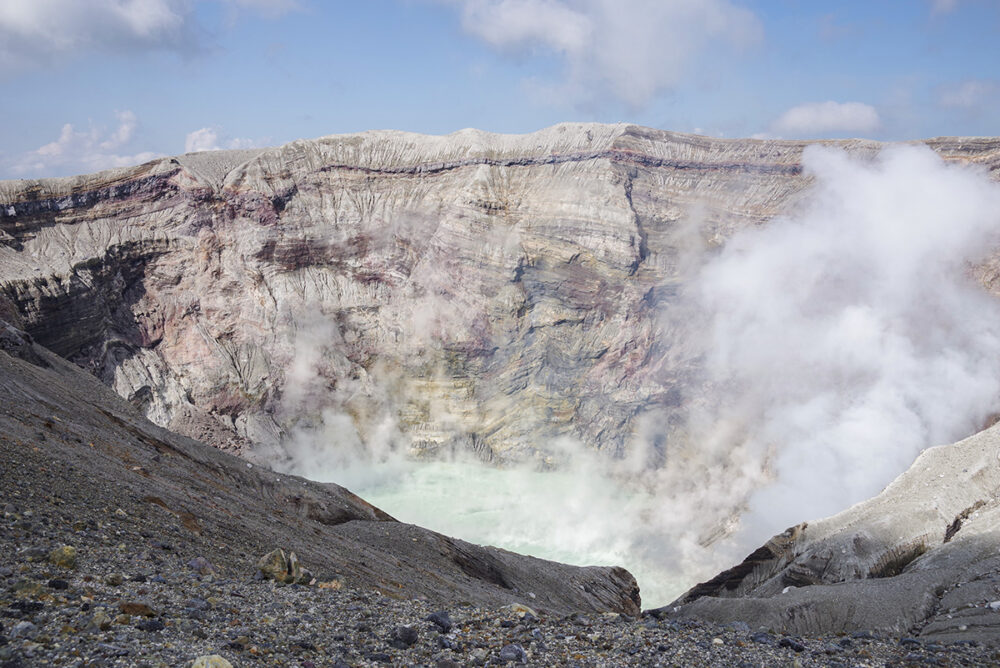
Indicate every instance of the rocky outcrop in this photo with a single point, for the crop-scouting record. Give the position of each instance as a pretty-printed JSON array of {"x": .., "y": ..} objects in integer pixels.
[
  {"x": 473, "y": 291},
  {"x": 918, "y": 559},
  {"x": 71, "y": 447}
]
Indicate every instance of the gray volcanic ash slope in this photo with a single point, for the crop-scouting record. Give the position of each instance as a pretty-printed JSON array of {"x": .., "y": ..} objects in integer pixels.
[
  {"x": 605, "y": 287},
  {"x": 68, "y": 442}
]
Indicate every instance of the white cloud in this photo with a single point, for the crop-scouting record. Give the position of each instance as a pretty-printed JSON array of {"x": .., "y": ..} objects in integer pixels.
[
  {"x": 82, "y": 151},
  {"x": 943, "y": 6},
  {"x": 632, "y": 49},
  {"x": 37, "y": 32},
  {"x": 33, "y": 32},
  {"x": 208, "y": 139},
  {"x": 971, "y": 94},
  {"x": 205, "y": 139},
  {"x": 815, "y": 119}
]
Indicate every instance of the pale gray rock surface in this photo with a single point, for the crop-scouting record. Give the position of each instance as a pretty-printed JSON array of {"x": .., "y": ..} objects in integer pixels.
[
  {"x": 473, "y": 291},
  {"x": 922, "y": 558}
]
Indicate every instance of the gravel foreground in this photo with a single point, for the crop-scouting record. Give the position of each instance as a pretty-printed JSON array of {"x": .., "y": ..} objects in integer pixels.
[{"x": 120, "y": 599}]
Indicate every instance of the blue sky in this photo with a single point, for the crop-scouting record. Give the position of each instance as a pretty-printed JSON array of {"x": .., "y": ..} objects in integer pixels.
[{"x": 89, "y": 84}]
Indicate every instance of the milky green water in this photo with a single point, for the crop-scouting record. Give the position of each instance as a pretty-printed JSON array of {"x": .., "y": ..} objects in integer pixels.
[{"x": 569, "y": 516}]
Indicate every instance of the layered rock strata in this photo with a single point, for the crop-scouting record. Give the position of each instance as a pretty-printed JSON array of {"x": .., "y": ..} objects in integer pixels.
[{"x": 472, "y": 291}]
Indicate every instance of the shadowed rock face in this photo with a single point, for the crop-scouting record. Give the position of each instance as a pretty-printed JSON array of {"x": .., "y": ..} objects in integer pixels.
[
  {"x": 472, "y": 291},
  {"x": 71, "y": 447}
]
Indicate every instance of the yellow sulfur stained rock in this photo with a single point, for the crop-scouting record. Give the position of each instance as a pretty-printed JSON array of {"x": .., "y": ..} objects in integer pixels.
[{"x": 64, "y": 556}]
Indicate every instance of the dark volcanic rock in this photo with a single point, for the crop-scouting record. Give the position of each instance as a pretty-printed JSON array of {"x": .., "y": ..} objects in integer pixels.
[
  {"x": 440, "y": 619},
  {"x": 403, "y": 637}
]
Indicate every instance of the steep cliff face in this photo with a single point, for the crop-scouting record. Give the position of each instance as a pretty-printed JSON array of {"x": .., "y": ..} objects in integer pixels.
[{"x": 473, "y": 291}]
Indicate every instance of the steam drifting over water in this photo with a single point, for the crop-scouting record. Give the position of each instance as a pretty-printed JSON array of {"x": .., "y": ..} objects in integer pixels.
[{"x": 832, "y": 345}]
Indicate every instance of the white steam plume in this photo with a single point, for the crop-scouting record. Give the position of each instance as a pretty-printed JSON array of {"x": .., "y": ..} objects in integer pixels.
[
  {"x": 834, "y": 344},
  {"x": 847, "y": 337}
]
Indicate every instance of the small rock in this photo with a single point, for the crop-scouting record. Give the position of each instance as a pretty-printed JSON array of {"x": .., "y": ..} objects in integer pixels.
[
  {"x": 151, "y": 625},
  {"x": 908, "y": 641},
  {"x": 520, "y": 610},
  {"x": 114, "y": 579},
  {"x": 792, "y": 644},
  {"x": 441, "y": 619},
  {"x": 762, "y": 638},
  {"x": 299, "y": 646},
  {"x": 278, "y": 566},
  {"x": 27, "y": 589},
  {"x": 63, "y": 556},
  {"x": 136, "y": 609},
  {"x": 58, "y": 584},
  {"x": 718, "y": 641},
  {"x": 99, "y": 621},
  {"x": 24, "y": 630},
  {"x": 211, "y": 661},
  {"x": 403, "y": 637},
  {"x": 202, "y": 566},
  {"x": 741, "y": 627},
  {"x": 513, "y": 653},
  {"x": 274, "y": 565}
]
